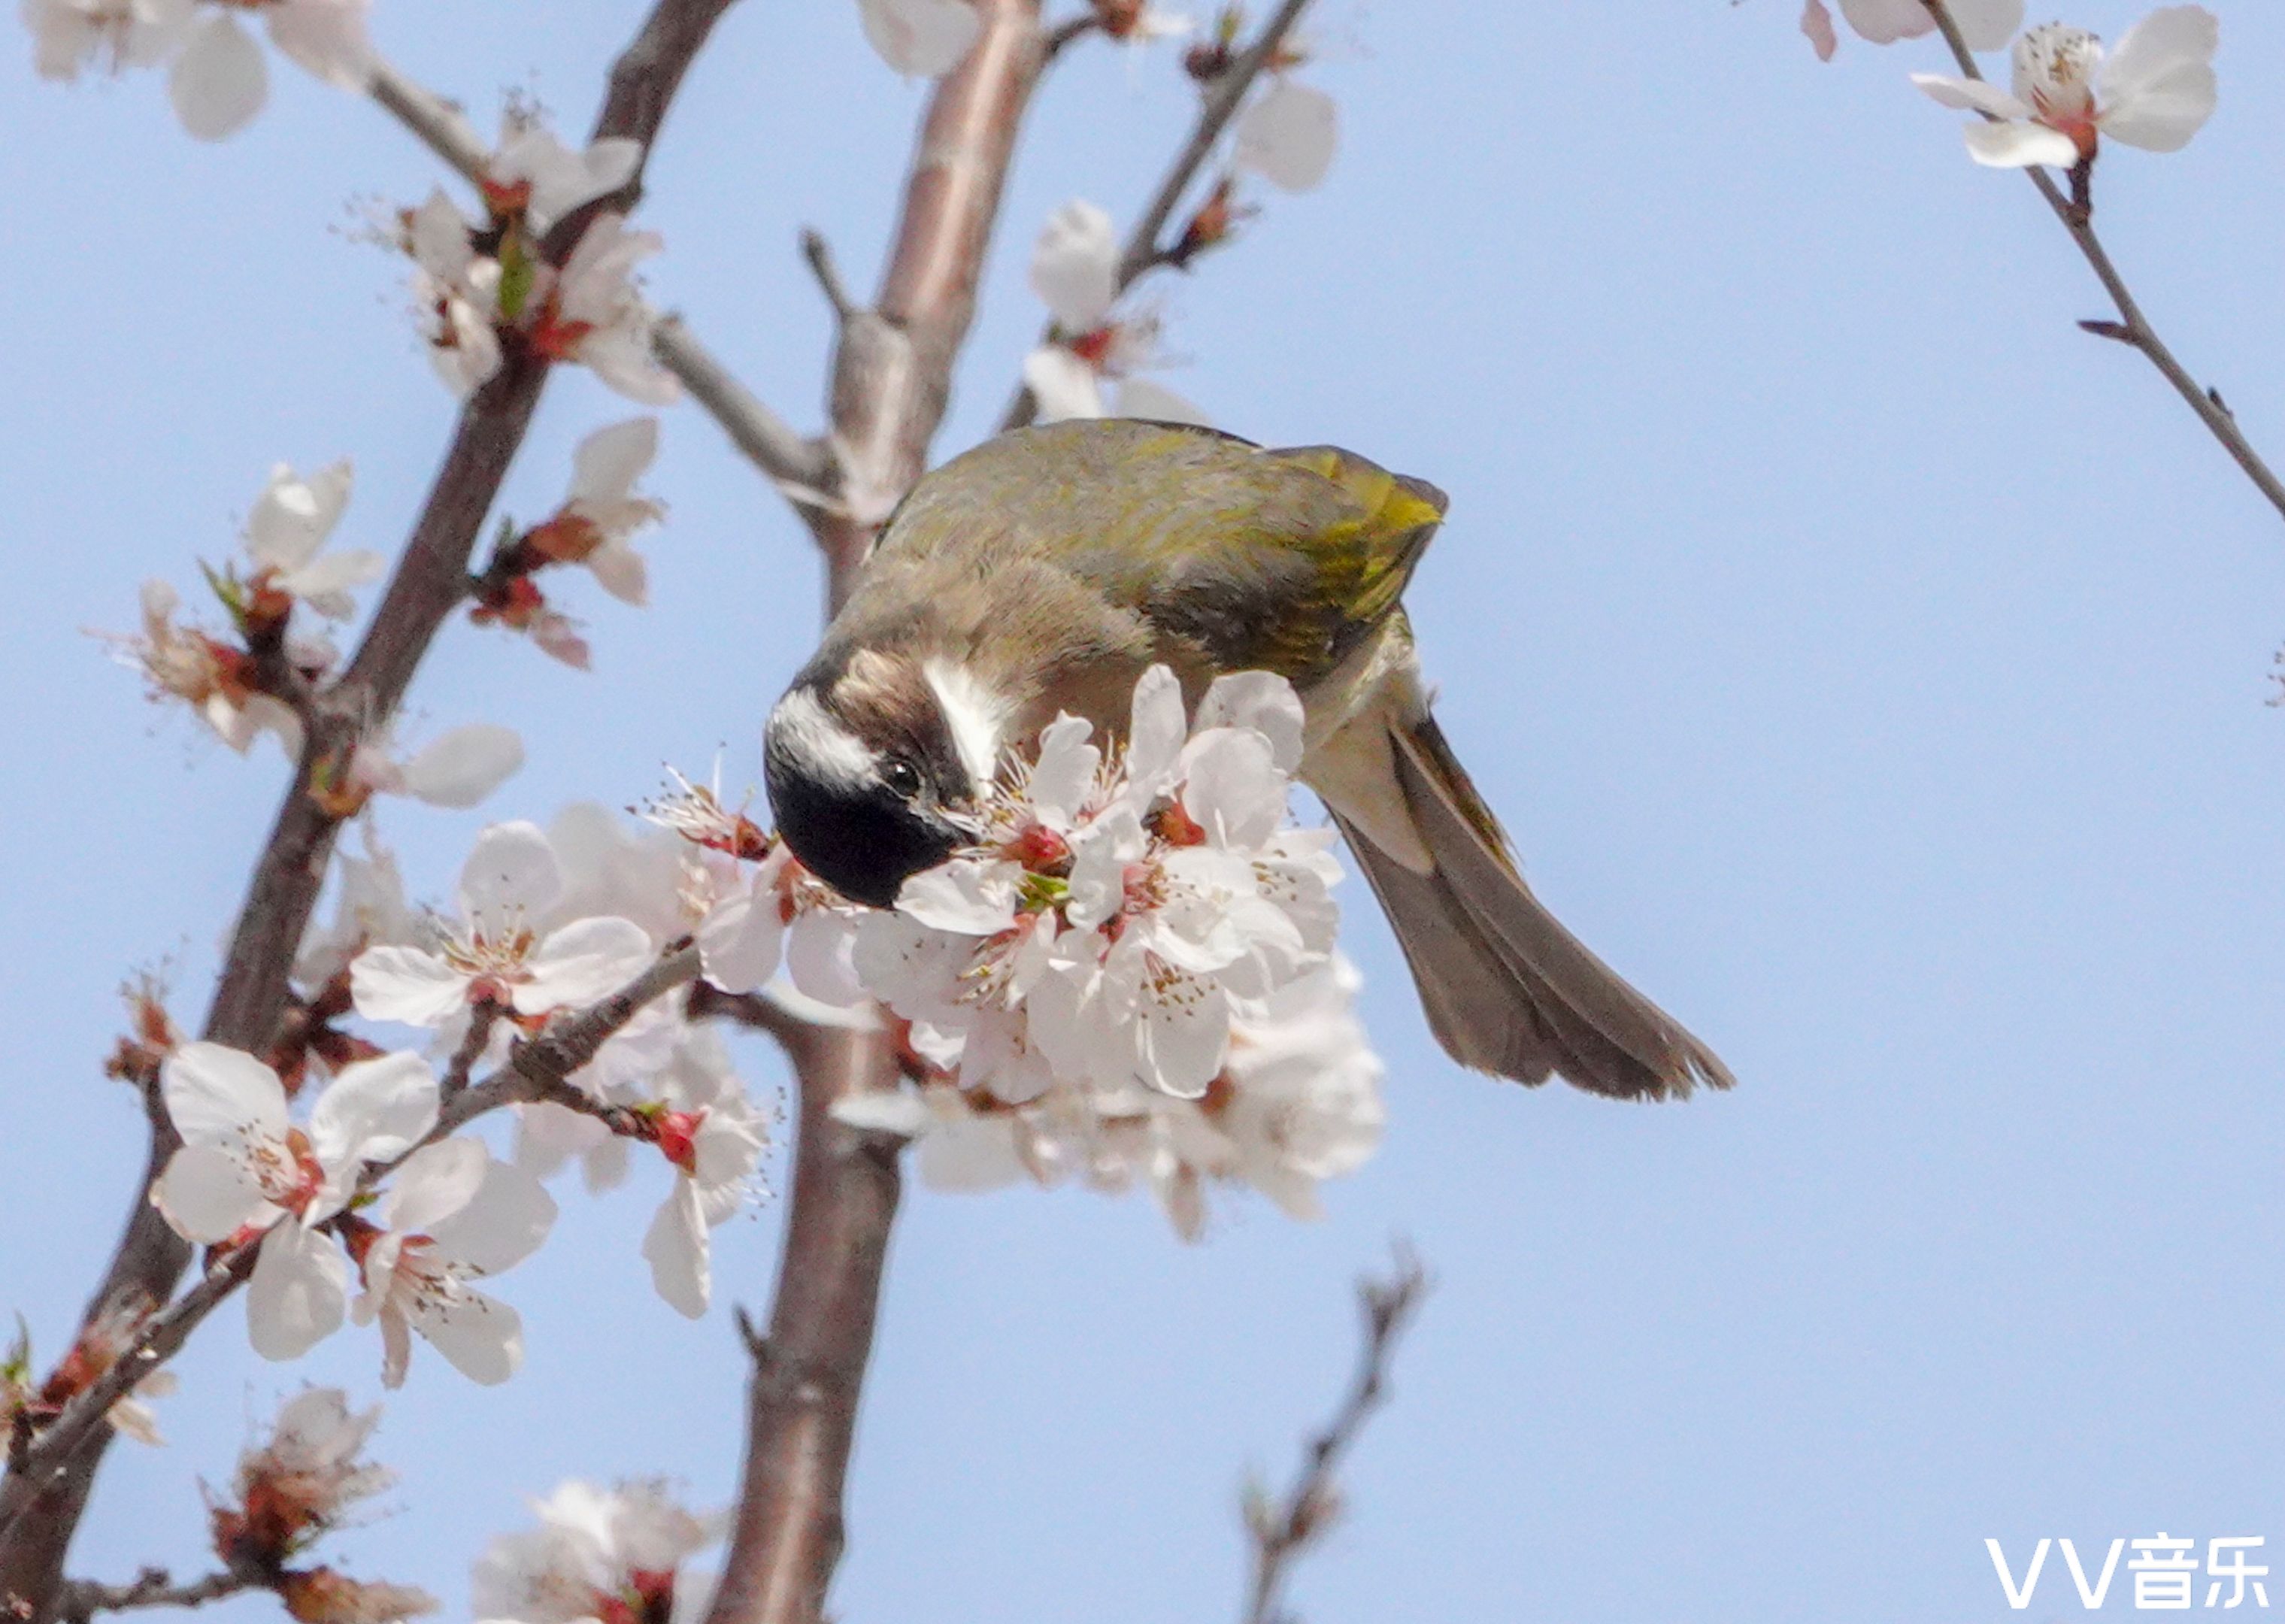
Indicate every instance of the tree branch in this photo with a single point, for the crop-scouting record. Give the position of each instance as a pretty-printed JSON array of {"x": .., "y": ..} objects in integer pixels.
[
  {"x": 39, "y": 1513},
  {"x": 2131, "y": 328},
  {"x": 801, "y": 468},
  {"x": 1218, "y": 106},
  {"x": 1282, "y": 1530},
  {"x": 891, "y": 378},
  {"x": 83, "y": 1598}
]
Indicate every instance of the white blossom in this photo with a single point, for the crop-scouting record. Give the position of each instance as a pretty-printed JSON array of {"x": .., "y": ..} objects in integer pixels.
[
  {"x": 597, "y": 316},
  {"x": 1297, "y": 1102},
  {"x": 714, "y": 1136},
  {"x": 246, "y": 1169},
  {"x": 450, "y": 1214},
  {"x": 216, "y": 679},
  {"x": 494, "y": 953},
  {"x": 602, "y": 512},
  {"x": 597, "y": 1555},
  {"x": 1075, "y": 272},
  {"x": 456, "y": 292},
  {"x": 534, "y": 172},
  {"x": 308, "y": 1475},
  {"x": 2155, "y": 90},
  {"x": 1288, "y": 135},
  {"x": 922, "y": 39},
  {"x": 292, "y": 519}
]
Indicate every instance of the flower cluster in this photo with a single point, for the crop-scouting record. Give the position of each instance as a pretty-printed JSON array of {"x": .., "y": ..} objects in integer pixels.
[
  {"x": 1119, "y": 909},
  {"x": 610, "y": 1556},
  {"x": 248, "y": 1175},
  {"x": 218, "y": 80},
  {"x": 544, "y": 925},
  {"x": 2155, "y": 91},
  {"x": 480, "y": 287},
  {"x": 1297, "y": 1102},
  {"x": 249, "y": 682}
]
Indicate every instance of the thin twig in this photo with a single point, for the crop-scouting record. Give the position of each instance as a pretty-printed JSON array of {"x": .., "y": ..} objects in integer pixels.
[
  {"x": 1218, "y": 104},
  {"x": 1283, "y": 1530},
  {"x": 800, "y": 466},
  {"x": 482, "y": 1019},
  {"x": 2133, "y": 328},
  {"x": 83, "y": 1598},
  {"x": 818, "y": 254}
]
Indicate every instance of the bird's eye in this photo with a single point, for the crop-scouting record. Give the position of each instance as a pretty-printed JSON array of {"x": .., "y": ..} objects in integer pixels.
[{"x": 902, "y": 778}]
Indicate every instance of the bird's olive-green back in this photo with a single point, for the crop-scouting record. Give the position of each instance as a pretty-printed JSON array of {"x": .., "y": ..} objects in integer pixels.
[{"x": 1259, "y": 560}]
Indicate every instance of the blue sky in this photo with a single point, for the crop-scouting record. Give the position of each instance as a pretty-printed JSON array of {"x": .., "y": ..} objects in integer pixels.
[{"x": 1868, "y": 662}]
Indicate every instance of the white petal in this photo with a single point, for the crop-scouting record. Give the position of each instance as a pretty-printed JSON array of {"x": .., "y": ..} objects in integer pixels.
[
  {"x": 1155, "y": 729},
  {"x": 511, "y": 878},
  {"x": 921, "y": 38},
  {"x": 220, "y": 81},
  {"x": 610, "y": 460},
  {"x": 1181, "y": 1040},
  {"x": 1970, "y": 95},
  {"x": 1817, "y": 24},
  {"x": 327, "y": 37},
  {"x": 436, "y": 1182},
  {"x": 1139, "y": 397},
  {"x": 481, "y": 1335},
  {"x": 2157, "y": 89},
  {"x": 965, "y": 896},
  {"x": 373, "y": 1110},
  {"x": 620, "y": 571},
  {"x": 676, "y": 1250},
  {"x": 221, "y": 1097},
  {"x": 299, "y": 1292},
  {"x": 820, "y": 957},
  {"x": 1063, "y": 386},
  {"x": 966, "y": 1152},
  {"x": 1075, "y": 265},
  {"x": 1265, "y": 702},
  {"x": 406, "y": 984},
  {"x": 207, "y": 1195},
  {"x": 622, "y": 357},
  {"x": 586, "y": 960},
  {"x": 738, "y": 941},
  {"x": 2018, "y": 147},
  {"x": 1885, "y": 21},
  {"x": 501, "y": 1225},
  {"x": 1288, "y": 137},
  {"x": 461, "y": 768},
  {"x": 293, "y": 517}
]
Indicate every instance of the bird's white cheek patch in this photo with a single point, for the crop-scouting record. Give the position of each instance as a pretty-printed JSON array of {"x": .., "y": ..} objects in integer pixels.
[
  {"x": 801, "y": 726},
  {"x": 976, "y": 715}
]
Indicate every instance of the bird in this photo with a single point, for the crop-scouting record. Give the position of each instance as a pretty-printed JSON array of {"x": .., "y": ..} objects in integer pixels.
[{"x": 1042, "y": 572}]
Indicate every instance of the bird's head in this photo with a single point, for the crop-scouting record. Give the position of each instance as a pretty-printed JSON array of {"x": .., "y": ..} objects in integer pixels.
[{"x": 875, "y": 763}]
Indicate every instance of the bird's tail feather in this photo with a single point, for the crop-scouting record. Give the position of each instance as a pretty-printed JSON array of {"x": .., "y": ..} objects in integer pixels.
[{"x": 1506, "y": 988}]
